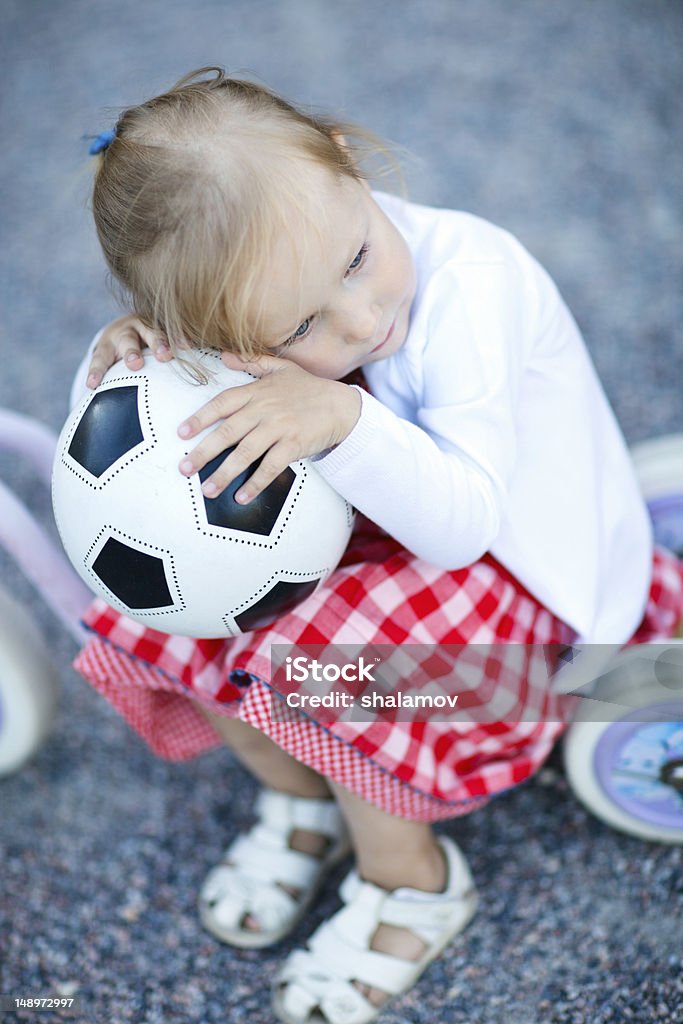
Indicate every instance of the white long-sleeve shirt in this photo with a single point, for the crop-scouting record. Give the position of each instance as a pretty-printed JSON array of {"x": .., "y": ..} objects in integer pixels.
[{"x": 489, "y": 431}]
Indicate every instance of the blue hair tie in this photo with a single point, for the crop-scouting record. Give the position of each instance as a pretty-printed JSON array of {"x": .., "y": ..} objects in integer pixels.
[{"x": 102, "y": 142}]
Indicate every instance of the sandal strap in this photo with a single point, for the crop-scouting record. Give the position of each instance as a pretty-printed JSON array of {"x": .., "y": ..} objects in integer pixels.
[
  {"x": 334, "y": 946},
  {"x": 426, "y": 914},
  {"x": 236, "y": 895},
  {"x": 283, "y": 813},
  {"x": 307, "y": 987},
  {"x": 262, "y": 855},
  {"x": 429, "y": 919}
]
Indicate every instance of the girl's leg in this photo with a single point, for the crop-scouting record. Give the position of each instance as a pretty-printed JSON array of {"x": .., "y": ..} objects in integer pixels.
[
  {"x": 392, "y": 852},
  {"x": 270, "y": 764}
]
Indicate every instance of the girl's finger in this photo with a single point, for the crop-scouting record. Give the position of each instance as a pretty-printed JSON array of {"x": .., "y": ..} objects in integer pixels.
[
  {"x": 228, "y": 434},
  {"x": 247, "y": 452},
  {"x": 224, "y": 404},
  {"x": 258, "y": 367},
  {"x": 156, "y": 342},
  {"x": 102, "y": 359},
  {"x": 133, "y": 357},
  {"x": 274, "y": 462},
  {"x": 127, "y": 346},
  {"x": 161, "y": 350}
]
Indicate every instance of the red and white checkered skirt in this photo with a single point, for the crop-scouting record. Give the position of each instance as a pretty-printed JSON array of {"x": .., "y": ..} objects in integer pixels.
[{"x": 380, "y": 594}]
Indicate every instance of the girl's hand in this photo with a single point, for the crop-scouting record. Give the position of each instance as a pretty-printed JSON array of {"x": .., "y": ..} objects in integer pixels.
[
  {"x": 124, "y": 339},
  {"x": 287, "y": 413}
]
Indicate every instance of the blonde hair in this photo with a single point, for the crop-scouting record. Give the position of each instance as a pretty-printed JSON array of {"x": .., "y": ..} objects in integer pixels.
[{"x": 187, "y": 199}]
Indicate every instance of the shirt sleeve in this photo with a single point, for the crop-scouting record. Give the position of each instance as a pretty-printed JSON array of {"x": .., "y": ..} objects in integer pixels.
[{"x": 438, "y": 482}]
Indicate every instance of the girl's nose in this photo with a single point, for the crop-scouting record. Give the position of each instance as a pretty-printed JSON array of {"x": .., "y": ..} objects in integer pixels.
[{"x": 362, "y": 323}]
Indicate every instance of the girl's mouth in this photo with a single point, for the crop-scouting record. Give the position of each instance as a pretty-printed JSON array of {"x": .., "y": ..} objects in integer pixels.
[{"x": 382, "y": 343}]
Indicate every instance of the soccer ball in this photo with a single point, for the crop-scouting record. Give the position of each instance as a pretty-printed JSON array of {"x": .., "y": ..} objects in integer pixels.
[{"x": 144, "y": 537}]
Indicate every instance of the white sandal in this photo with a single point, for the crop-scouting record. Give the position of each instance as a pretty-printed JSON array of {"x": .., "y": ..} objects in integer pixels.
[
  {"x": 315, "y": 986},
  {"x": 259, "y": 863}
]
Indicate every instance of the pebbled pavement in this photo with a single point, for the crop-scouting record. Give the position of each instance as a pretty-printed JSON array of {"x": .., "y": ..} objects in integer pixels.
[{"x": 562, "y": 122}]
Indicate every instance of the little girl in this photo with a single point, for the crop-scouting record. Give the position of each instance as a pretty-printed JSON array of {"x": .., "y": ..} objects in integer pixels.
[{"x": 498, "y": 506}]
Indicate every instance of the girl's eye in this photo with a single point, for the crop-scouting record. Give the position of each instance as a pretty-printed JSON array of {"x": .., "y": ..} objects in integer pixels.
[
  {"x": 301, "y": 331},
  {"x": 359, "y": 258}
]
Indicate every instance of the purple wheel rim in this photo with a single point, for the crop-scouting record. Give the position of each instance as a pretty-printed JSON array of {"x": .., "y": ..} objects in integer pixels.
[{"x": 630, "y": 757}]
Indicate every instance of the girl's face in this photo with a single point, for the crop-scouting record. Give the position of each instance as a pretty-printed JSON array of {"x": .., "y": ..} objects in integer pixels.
[{"x": 338, "y": 296}]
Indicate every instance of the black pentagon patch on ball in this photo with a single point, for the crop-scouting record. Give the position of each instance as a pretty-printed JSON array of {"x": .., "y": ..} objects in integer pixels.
[
  {"x": 108, "y": 428},
  {"x": 260, "y": 515},
  {"x": 279, "y": 600},
  {"x": 136, "y": 578}
]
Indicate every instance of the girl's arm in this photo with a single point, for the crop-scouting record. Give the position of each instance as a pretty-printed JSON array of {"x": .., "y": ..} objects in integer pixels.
[
  {"x": 444, "y": 506},
  {"x": 441, "y": 502},
  {"x": 286, "y": 414}
]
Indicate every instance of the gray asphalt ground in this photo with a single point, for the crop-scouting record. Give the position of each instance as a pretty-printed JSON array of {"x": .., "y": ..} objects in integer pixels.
[{"x": 560, "y": 121}]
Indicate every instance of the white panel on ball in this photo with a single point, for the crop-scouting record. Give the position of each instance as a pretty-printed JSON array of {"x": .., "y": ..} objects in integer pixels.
[{"x": 144, "y": 538}]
